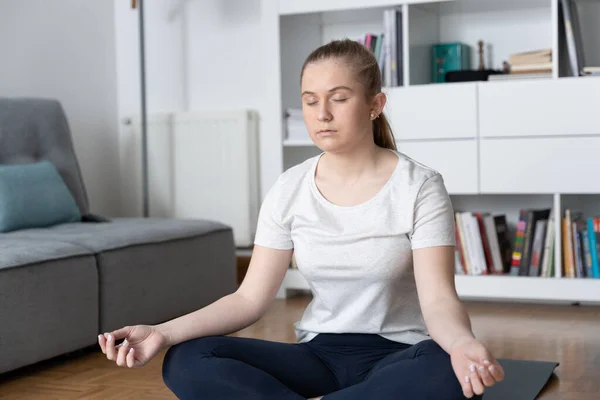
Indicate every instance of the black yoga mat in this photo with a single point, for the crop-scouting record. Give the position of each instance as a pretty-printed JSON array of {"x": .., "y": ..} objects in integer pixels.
[{"x": 523, "y": 380}]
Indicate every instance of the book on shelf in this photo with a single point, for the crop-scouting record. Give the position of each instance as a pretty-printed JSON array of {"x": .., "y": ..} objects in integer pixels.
[
  {"x": 387, "y": 47},
  {"x": 483, "y": 246},
  {"x": 529, "y": 258},
  {"x": 540, "y": 56},
  {"x": 591, "y": 71},
  {"x": 393, "y": 53},
  {"x": 530, "y": 75},
  {"x": 581, "y": 245},
  {"x": 571, "y": 36},
  {"x": 531, "y": 62}
]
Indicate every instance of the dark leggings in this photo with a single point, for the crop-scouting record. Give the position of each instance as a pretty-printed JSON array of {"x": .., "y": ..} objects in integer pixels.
[{"x": 339, "y": 366}]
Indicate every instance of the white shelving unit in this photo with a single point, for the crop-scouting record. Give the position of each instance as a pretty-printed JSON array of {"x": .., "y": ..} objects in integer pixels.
[
  {"x": 500, "y": 145},
  {"x": 501, "y": 288}
]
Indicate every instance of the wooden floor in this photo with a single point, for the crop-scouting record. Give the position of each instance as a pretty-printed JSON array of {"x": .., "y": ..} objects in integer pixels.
[{"x": 567, "y": 334}]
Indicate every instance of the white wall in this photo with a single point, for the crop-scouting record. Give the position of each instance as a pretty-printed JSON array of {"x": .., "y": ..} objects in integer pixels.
[
  {"x": 200, "y": 55},
  {"x": 224, "y": 48},
  {"x": 164, "y": 38},
  {"x": 65, "y": 49},
  {"x": 166, "y": 80},
  {"x": 226, "y": 66}
]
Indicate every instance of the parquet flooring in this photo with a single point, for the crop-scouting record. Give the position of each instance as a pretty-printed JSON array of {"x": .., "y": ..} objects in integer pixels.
[{"x": 568, "y": 334}]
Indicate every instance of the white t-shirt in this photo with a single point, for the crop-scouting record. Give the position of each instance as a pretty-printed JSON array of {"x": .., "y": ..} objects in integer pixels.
[{"x": 358, "y": 259}]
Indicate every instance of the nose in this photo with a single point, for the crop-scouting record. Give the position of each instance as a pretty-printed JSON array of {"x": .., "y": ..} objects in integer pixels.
[{"x": 324, "y": 114}]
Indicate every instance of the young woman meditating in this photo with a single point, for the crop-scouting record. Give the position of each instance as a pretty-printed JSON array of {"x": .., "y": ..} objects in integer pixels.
[{"x": 372, "y": 230}]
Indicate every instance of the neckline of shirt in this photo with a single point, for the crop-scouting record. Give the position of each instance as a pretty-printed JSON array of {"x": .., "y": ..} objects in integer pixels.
[{"x": 327, "y": 203}]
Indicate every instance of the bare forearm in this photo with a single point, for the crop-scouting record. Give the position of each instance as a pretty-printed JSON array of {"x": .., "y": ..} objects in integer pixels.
[
  {"x": 226, "y": 315},
  {"x": 448, "y": 323}
]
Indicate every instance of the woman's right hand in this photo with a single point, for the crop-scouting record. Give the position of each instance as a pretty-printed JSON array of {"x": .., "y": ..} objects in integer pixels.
[{"x": 141, "y": 344}]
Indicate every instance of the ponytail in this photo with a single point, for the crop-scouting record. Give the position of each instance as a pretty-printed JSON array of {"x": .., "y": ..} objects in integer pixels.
[{"x": 382, "y": 133}]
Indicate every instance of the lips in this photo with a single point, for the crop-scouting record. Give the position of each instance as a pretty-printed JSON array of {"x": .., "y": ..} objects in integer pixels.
[{"x": 326, "y": 131}]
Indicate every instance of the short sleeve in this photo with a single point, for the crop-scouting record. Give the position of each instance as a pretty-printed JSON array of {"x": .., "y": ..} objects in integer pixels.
[
  {"x": 433, "y": 223},
  {"x": 271, "y": 231}
]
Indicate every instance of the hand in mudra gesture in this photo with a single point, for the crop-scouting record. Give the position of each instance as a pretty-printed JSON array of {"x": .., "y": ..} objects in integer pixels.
[
  {"x": 141, "y": 344},
  {"x": 475, "y": 367}
]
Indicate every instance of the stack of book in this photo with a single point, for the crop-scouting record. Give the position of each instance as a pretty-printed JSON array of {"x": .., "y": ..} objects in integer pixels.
[
  {"x": 295, "y": 128},
  {"x": 531, "y": 62},
  {"x": 591, "y": 71}
]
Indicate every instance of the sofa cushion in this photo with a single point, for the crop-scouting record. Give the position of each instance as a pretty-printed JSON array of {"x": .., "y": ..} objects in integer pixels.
[
  {"x": 34, "y": 195},
  {"x": 151, "y": 283},
  {"x": 17, "y": 253},
  {"x": 49, "y": 300},
  {"x": 123, "y": 232}
]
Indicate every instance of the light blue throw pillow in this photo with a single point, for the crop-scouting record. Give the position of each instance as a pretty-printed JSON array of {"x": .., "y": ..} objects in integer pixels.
[{"x": 33, "y": 196}]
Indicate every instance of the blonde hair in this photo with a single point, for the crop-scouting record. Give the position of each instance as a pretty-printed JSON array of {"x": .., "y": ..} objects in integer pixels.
[{"x": 364, "y": 63}]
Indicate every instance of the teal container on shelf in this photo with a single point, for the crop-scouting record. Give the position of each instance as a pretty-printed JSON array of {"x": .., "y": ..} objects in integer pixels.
[{"x": 447, "y": 57}]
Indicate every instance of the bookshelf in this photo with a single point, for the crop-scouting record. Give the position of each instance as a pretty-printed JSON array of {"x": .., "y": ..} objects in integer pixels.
[{"x": 501, "y": 145}]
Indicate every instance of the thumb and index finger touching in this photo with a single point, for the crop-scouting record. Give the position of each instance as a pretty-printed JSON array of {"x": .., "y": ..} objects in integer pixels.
[
  {"x": 486, "y": 363},
  {"x": 481, "y": 370},
  {"x": 122, "y": 333},
  {"x": 115, "y": 335}
]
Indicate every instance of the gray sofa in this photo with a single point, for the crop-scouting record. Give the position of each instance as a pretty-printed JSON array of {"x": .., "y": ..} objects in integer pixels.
[{"x": 60, "y": 286}]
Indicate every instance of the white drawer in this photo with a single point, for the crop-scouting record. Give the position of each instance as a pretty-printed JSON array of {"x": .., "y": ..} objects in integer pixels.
[
  {"x": 565, "y": 106},
  {"x": 435, "y": 111},
  {"x": 456, "y": 160},
  {"x": 540, "y": 165}
]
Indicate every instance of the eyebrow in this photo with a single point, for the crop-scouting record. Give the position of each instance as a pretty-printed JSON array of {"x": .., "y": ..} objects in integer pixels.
[{"x": 330, "y": 90}]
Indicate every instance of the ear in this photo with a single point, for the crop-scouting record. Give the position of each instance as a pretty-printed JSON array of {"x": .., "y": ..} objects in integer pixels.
[{"x": 378, "y": 103}]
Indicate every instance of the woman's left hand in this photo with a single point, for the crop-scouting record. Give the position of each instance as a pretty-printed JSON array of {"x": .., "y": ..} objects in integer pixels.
[{"x": 475, "y": 367}]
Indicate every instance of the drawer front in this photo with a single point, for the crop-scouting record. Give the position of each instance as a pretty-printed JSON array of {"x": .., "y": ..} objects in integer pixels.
[
  {"x": 565, "y": 106},
  {"x": 540, "y": 165},
  {"x": 455, "y": 160},
  {"x": 435, "y": 111}
]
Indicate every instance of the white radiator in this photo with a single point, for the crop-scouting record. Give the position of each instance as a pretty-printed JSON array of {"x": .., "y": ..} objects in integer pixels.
[{"x": 202, "y": 165}]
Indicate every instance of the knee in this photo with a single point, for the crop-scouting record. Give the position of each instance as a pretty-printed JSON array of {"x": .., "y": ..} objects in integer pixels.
[
  {"x": 445, "y": 383},
  {"x": 450, "y": 389},
  {"x": 184, "y": 358},
  {"x": 429, "y": 347},
  {"x": 173, "y": 362},
  {"x": 172, "y": 358}
]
